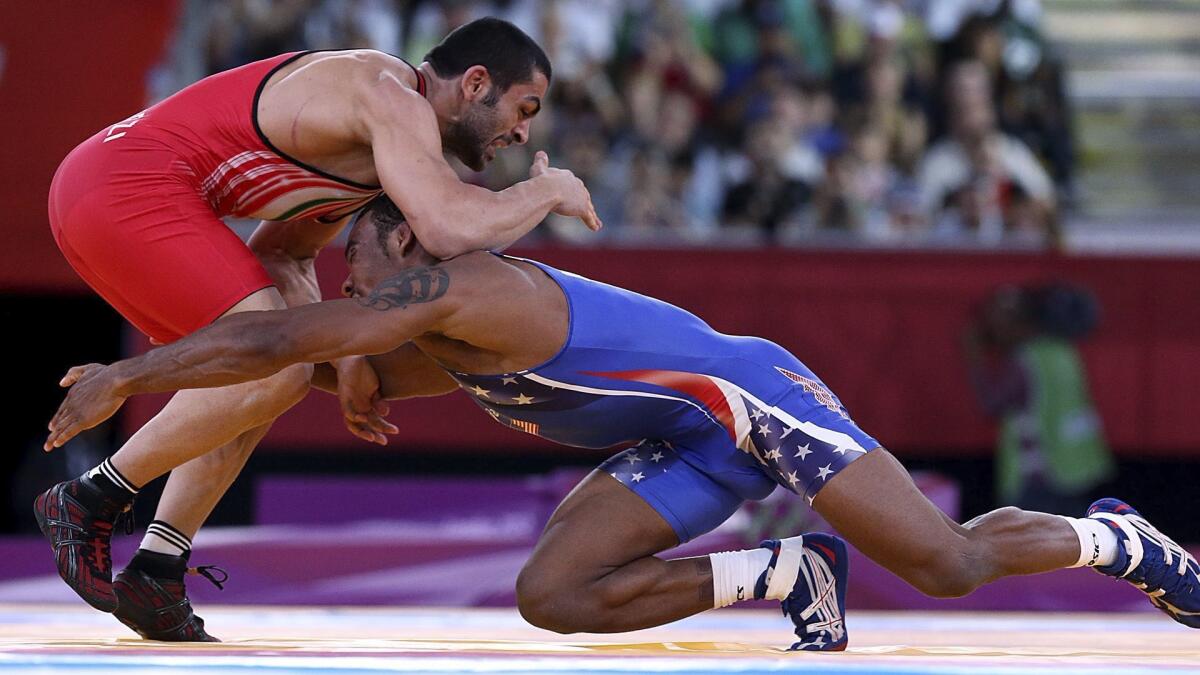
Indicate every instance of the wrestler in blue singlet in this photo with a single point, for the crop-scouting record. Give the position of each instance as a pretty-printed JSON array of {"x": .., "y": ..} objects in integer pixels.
[{"x": 720, "y": 418}]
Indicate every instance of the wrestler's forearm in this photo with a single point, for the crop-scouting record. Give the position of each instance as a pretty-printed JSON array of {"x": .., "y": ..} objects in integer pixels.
[
  {"x": 295, "y": 279},
  {"x": 480, "y": 219},
  {"x": 238, "y": 348}
]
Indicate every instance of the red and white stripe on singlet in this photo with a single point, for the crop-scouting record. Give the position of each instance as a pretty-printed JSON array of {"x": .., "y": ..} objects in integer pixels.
[
  {"x": 261, "y": 184},
  {"x": 212, "y": 127}
]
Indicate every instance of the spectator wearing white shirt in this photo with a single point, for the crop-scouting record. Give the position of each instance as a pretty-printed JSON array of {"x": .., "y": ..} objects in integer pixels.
[{"x": 977, "y": 154}]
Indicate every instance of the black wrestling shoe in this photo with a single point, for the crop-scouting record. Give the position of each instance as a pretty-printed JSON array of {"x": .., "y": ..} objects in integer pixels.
[
  {"x": 78, "y": 519},
  {"x": 152, "y": 598}
]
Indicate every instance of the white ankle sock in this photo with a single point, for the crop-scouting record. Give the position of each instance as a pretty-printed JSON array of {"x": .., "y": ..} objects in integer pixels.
[
  {"x": 1097, "y": 543},
  {"x": 161, "y": 537},
  {"x": 735, "y": 573}
]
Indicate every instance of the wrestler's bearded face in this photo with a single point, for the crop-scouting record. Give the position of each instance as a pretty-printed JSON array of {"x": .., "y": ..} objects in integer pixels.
[
  {"x": 477, "y": 134},
  {"x": 494, "y": 121}
]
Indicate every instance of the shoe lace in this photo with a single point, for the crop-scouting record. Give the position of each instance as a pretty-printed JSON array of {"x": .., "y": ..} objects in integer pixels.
[
  {"x": 126, "y": 518},
  {"x": 1174, "y": 556},
  {"x": 207, "y": 571},
  {"x": 823, "y": 607},
  {"x": 101, "y": 546}
]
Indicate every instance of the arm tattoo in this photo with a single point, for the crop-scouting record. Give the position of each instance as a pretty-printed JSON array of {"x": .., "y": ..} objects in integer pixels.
[{"x": 424, "y": 284}]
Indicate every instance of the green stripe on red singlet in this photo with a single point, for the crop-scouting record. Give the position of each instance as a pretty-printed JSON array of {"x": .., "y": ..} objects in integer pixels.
[{"x": 300, "y": 208}]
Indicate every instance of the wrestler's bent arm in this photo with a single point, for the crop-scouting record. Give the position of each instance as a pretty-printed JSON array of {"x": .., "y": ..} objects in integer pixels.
[
  {"x": 288, "y": 251},
  {"x": 450, "y": 217}
]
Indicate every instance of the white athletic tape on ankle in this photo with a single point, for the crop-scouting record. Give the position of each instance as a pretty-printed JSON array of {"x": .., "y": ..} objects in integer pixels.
[
  {"x": 787, "y": 568},
  {"x": 1133, "y": 542},
  {"x": 735, "y": 573}
]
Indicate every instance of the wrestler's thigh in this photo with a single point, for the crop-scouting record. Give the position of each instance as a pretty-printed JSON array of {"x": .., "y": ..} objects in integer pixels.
[
  {"x": 875, "y": 505},
  {"x": 160, "y": 258}
]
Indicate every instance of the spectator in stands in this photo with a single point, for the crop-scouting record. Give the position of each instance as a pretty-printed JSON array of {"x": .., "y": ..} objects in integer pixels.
[
  {"x": 241, "y": 31},
  {"x": 1027, "y": 79},
  {"x": 1027, "y": 373},
  {"x": 976, "y": 154},
  {"x": 746, "y": 31},
  {"x": 664, "y": 58},
  {"x": 773, "y": 193},
  {"x": 864, "y": 192}
]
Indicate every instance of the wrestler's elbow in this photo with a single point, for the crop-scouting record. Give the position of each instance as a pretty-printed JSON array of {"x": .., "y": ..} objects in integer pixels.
[{"x": 442, "y": 237}]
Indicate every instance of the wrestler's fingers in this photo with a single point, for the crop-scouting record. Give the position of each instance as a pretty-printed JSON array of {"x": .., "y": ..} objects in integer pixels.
[
  {"x": 381, "y": 425},
  {"x": 76, "y": 373}
]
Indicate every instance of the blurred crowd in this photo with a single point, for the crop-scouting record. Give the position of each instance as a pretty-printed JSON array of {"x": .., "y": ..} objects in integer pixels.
[{"x": 884, "y": 122}]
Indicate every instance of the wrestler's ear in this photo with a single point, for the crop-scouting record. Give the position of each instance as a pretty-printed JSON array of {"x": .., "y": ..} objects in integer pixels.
[
  {"x": 476, "y": 83},
  {"x": 404, "y": 242}
]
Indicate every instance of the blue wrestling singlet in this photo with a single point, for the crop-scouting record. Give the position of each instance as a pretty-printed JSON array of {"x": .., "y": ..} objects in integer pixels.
[{"x": 721, "y": 418}]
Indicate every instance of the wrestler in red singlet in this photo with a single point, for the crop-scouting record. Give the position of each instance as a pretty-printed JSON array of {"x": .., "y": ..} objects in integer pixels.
[{"x": 136, "y": 208}]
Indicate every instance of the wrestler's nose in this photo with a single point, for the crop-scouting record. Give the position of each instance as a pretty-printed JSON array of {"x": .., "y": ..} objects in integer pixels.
[
  {"x": 348, "y": 288},
  {"x": 521, "y": 132}
]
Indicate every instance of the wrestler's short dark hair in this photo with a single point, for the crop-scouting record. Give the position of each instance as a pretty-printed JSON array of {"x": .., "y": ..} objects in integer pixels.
[
  {"x": 509, "y": 55},
  {"x": 386, "y": 216}
]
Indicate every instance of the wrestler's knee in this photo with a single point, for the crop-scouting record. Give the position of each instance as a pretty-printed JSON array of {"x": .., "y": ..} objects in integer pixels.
[
  {"x": 945, "y": 567},
  {"x": 293, "y": 382},
  {"x": 272, "y": 396},
  {"x": 557, "y": 602},
  {"x": 543, "y": 600},
  {"x": 952, "y": 574}
]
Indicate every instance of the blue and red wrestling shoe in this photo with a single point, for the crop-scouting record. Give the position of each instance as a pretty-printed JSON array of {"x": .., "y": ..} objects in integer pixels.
[
  {"x": 1151, "y": 561},
  {"x": 78, "y": 519},
  {"x": 816, "y": 569}
]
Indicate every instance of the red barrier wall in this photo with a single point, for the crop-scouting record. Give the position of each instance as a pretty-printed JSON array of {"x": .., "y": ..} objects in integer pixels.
[
  {"x": 69, "y": 69},
  {"x": 881, "y": 328}
]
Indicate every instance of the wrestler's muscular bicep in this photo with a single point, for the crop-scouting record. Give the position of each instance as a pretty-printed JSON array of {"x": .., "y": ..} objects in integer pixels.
[
  {"x": 401, "y": 307},
  {"x": 403, "y": 132},
  {"x": 450, "y": 217}
]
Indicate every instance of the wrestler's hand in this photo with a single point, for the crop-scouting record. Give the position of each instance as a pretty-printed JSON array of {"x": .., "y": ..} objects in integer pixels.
[
  {"x": 363, "y": 407},
  {"x": 575, "y": 199},
  {"x": 91, "y": 400}
]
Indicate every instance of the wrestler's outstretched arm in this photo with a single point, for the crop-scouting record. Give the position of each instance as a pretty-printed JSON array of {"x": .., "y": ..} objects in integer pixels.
[{"x": 252, "y": 345}]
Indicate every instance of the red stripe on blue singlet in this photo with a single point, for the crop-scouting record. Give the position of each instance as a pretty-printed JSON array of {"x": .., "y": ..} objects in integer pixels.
[{"x": 699, "y": 387}]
